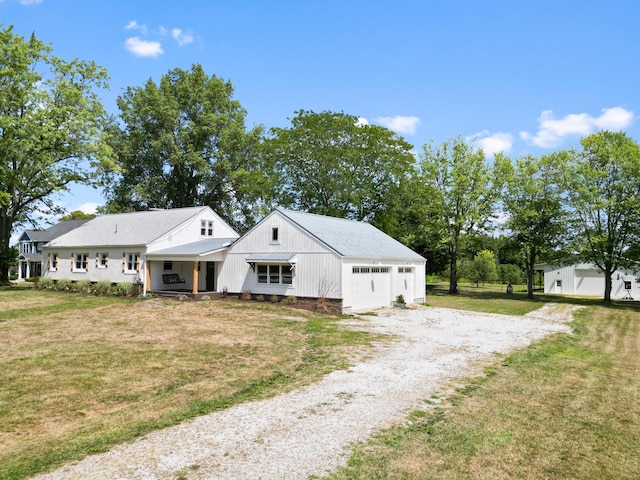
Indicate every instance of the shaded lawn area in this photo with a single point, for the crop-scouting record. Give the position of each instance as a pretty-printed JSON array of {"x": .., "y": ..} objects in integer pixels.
[
  {"x": 494, "y": 299},
  {"x": 79, "y": 374},
  {"x": 565, "y": 408}
]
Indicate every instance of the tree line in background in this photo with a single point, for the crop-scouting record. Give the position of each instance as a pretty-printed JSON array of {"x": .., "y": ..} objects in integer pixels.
[{"x": 183, "y": 141}]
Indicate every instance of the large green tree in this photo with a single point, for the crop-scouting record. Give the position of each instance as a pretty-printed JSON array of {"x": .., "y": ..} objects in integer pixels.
[
  {"x": 182, "y": 142},
  {"x": 465, "y": 192},
  {"x": 602, "y": 181},
  {"x": 532, "y": 202},
  {"x": 484, "y": 267},
  {"x": 331, "y": 164},
  {"x": 51, "y": 130}
]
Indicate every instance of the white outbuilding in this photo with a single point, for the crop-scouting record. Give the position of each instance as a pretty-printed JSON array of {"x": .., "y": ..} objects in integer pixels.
[
  {"x": 587, "y": 280},
  {"x": 352, "y": 264}
]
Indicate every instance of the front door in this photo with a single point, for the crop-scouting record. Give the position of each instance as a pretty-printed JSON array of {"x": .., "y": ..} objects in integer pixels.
[{"x": 211, "y": 276}]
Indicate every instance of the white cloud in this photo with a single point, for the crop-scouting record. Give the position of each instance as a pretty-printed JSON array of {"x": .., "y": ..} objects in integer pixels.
[
  {"x": 400, "y": 124},
  {"x": 361, "y": 122},
  {"x": 134, "y": 25},
  {"x": 492, "y": 143},
  {"x": 87, "y": 207},
  {"x": 143, "y": 48},
  {"x": 552, "y": 131},
  {"x": 181, "y": 37}
]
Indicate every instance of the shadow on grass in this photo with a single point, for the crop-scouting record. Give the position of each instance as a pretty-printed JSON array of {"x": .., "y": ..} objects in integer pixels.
[{"x": 491, "y": 293}]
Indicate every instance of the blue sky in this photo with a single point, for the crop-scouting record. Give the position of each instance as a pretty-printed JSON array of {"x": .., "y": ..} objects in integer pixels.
[{"x": 523, "y": 77}]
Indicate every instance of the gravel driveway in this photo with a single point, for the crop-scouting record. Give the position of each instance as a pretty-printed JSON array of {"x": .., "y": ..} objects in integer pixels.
[{"x": 310, "y": 431}]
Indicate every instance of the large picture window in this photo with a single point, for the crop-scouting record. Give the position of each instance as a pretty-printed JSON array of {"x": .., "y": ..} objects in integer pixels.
[{"x": 275, "y": 274}]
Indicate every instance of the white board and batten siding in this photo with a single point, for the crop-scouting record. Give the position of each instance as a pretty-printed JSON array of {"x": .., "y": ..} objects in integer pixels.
[
  {"x": 316, "y": 268},
  {"x": 323, "y": 253},
  {"x": 190, "y": 231}
]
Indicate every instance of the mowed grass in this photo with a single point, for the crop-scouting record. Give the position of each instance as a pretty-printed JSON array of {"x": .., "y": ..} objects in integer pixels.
[
  {"x": 565, "y": 408},
  {"x": 80, "y": 374},
  {"x": 494, "y": 299}
]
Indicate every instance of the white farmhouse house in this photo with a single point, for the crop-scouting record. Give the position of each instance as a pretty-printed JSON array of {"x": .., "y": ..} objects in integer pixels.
[
  {"x": 181, "y": 248},
  {"x": 307, "y": 255},
  {"x": 352, "y": 264},
  {"x": 587, "y": 280},
  {"x": 30, "y": 246}
]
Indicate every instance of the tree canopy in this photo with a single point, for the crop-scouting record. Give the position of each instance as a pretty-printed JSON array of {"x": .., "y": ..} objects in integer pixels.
[
  {"x": 52, "y": 128},
  {"x": 465, "y": 195},
  {"x": 331, "y": 164},
  {"x": 602, "y": 182},
  {"x": 183, "y": 142},
  {"x": 532, "y": 201}
]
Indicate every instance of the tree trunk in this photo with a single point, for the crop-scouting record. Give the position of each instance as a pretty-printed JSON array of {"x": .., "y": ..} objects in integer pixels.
[
  {"x": 453, "y": 271},
  {"x": 6, "y": 254},
  {"x": 531, "y": 266},
  {"x": 607, "y": 284}
]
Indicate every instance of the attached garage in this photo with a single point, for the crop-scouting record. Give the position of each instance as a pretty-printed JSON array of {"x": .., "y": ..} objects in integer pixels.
[
  {"x": 370, "y": 286},
  {"x": 349, "y": 262}
]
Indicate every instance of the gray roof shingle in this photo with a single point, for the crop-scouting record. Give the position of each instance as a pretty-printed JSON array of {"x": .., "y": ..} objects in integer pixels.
[
  {"x": 201, "y": 247},
  {"x": 350, "y": 238},
  {"x": 54, "y": 231},
  {"x": 124, "y": 229}
]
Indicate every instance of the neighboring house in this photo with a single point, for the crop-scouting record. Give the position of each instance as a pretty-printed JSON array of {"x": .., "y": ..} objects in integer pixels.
[
  {"x": 587, "y": 280},
  {"x": 30, "y": 246},
  {"x": 305, "y": 255},
  {"x": 179, "y": 249}
]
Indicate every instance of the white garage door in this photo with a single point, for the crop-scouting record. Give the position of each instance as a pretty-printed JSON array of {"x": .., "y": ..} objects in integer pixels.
[
  {"x": 370, "y": 287},
  {"x": 406, "y": 283},
  {"x": 589, "y": 282}
]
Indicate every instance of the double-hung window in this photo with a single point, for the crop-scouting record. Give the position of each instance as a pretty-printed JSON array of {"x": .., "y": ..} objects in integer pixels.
[
  {"x": 53, "y": 262},
  {"x": 206, "y": 228},
  {"x": 131, "y": 263},
  {"x": 80, "y": 263},
  {"x": 103, "y": 260}
]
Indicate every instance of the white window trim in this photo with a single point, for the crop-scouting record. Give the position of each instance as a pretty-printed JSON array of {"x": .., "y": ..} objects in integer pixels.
[
  {"x": 127, "y": 270},
  {"x": 276, "y": 241},
  {"x": 84, "y": 258},
  {"x": 53, "y": 262},
  {"x": 206, "y": 228},
  {"x": 280, "y": 274},
  {"x": 100, "y": 265}
]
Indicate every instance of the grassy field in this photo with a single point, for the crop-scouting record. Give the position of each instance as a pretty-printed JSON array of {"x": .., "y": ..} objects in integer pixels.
[
  {"x": 79, "y": 374},
  {"x": 565, "y": 408}
]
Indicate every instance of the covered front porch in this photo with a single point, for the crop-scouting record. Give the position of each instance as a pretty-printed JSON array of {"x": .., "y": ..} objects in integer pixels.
[
  {"x": 30, "y": 265},
  {"x": 191, "y": 269}
]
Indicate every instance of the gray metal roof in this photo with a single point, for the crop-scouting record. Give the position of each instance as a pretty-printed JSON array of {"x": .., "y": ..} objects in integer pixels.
[
  {"x": 201, "y": 247},
  {"x": 123, "y": 229},
  {"x": 350, "y": 238},
  {"x": 31, "y": 256},
  {"x": 270, "y": 257},
  {"x": 53, "y": 231}
]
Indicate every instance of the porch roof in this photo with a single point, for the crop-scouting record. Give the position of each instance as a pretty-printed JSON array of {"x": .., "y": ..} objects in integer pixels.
[
  {"x": 270, "y": 257},
  {"x": 31, "y": 256},
  {"x": 200, "y": 248}
]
